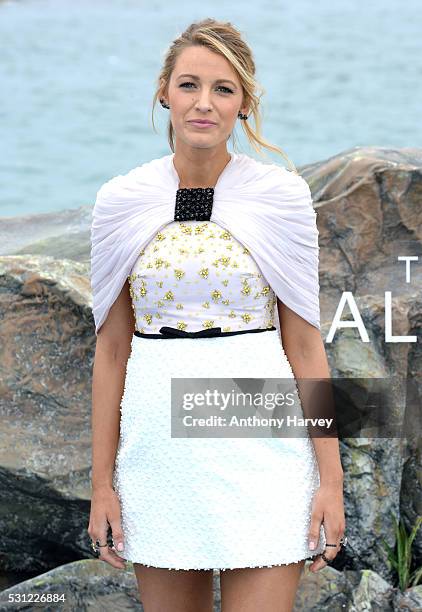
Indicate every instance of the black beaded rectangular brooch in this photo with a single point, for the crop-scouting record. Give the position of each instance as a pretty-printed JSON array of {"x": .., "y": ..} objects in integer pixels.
[{"x": 194, "y": 204}]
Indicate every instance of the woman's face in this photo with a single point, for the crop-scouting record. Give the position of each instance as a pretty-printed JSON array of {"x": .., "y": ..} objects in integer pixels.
[{"x": 203, "y": 85}]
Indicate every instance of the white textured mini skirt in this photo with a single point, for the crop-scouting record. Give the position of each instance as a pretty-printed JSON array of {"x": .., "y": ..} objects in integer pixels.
[{"x": 209, "y": 503}]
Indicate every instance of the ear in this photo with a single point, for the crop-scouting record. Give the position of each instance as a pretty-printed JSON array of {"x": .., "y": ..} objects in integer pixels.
[
  {"x": 245, "y": 107},
  {"x": 162, "y": 92}
]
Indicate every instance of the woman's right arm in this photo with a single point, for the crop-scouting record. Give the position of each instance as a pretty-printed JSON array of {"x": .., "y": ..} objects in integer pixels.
[{"x": 111, "y": 355}]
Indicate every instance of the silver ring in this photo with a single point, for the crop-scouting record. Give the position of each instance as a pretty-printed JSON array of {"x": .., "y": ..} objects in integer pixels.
[{"x": 96, "y": 545}]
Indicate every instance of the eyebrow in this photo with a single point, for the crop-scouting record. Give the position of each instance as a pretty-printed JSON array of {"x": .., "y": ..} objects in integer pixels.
[{"x": 193, "y": 76}]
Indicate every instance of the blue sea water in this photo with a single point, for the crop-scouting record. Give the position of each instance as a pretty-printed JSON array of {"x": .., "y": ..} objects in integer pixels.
[{"x": 77, "y": 80}]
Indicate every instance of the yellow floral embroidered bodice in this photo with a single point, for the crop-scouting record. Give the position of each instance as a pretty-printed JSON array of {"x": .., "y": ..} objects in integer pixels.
[{"x": 194, "y": 275}]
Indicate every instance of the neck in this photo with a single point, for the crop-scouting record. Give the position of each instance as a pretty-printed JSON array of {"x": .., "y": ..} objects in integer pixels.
[{"x": 199, "y": 171}]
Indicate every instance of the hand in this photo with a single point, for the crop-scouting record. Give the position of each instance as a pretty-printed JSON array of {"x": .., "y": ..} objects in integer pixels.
[
  {"x": 105, "y": 510},
  {"x": 327, "y": 508}
]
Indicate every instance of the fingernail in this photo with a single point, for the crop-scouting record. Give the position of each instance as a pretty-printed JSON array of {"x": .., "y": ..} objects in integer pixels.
[
  {"x": 120, "y": 546},
  {"x": 311, "y": 545}
]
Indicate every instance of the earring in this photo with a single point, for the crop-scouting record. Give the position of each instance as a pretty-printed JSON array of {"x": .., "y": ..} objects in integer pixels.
[
  {"x": 242, "y": 116},
  {"x": 164, "y": 104}
]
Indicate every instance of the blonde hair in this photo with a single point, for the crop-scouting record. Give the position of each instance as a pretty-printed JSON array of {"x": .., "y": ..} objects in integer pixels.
[{"x": 225, "y": 39}]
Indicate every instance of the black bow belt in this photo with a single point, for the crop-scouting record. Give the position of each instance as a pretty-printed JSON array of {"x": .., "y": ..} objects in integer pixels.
[{"x": 173, "y": 332}]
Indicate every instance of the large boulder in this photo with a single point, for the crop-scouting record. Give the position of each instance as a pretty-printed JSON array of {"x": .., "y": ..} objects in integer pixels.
[
  {"x": 369, "y": 213},
  {"x": 46, "y": 357},
  {"x": 369, "y": 209}
]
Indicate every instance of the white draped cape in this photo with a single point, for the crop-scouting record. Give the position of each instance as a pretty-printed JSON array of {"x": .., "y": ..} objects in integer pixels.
[{"x": 264, "y": 206}]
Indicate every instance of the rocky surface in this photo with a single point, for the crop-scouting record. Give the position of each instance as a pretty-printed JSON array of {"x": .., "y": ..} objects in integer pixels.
[
  {"x": 353, "y": 591},
  {"x": 369, "y": 209},
  {"x": 46, "y": 356},
  {"x": 94, "y": 585},
  {"x": 63, "y": 235},
  {"x": 369, "y": 212}
]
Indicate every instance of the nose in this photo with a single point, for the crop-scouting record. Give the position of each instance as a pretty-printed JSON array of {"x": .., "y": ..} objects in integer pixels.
[{"x": 203, "y": 103}]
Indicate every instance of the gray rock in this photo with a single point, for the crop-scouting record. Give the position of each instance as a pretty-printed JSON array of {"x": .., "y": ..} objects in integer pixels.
[
  {"x": 46, "y": 357},
  {"x": 94, "y": 585},
  {"x": 373, "y": 594},
  {"x": 352, "y": 591},
  {"x": 326, "y": 590},
  {"x": 63, "y": 234},
  {"x": 409, "y": 601},
  {"x": 368, "y": 204},
  {"x": 85, "y": 586},
  {"x": 369, "y": 213}
]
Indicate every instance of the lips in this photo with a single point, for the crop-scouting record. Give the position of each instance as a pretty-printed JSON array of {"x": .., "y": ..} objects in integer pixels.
[{"x": 201, "y": 122}]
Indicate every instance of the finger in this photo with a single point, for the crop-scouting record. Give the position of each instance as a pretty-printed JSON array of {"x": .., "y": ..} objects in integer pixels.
[
  {"x": 331, "y": 553},
  {"x": 109, "y": 556},
  {"x": 98, "y": 531},
  {"x": 334, "y": 536},
  {"x": 104, "y": 552},
  {"x": 342, "y": 532},
  {"x": 314, "y": 531},
  {"x": 317, "y": 564},
  {"x": 117, "y": 532}
]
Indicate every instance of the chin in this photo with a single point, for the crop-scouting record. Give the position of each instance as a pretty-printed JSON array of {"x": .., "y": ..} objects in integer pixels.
[{"x": 201, "y": 143}]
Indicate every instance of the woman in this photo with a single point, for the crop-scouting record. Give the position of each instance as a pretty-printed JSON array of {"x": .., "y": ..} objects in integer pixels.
[{"x": 190, "y": 254}]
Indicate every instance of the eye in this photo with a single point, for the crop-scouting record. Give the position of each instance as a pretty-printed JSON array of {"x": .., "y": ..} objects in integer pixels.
[{"x": 227, "y": 89}]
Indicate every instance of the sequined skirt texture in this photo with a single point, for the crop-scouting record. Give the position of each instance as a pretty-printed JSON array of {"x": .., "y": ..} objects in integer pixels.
[{"x": 209, "y": 503}]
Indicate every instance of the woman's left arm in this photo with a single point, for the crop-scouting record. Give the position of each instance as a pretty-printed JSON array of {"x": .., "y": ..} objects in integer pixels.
[{"x": 304, "y": 347}]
